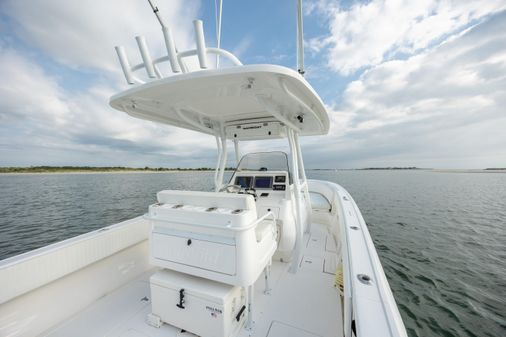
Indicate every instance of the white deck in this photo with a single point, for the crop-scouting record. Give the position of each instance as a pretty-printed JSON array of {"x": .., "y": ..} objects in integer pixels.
[{"x": 300, "y": 305}]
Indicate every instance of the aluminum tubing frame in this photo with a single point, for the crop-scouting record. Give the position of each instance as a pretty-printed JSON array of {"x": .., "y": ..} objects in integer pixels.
[
  {"x": 304, "y": 179},
  {"x": 296, "y": 182},
  {"x": 222, "y": 160}
]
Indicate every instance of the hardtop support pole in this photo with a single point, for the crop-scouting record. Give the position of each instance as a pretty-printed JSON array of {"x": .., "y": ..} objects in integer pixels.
[
  {"x": 305, "y": 184},
  {"x": 222, "y": 163},
  {"x": 296, "y": 186},
  {"x": 236, "y": 148},
  {"x": 250, "y": 291},
  {"x": 218, "y": 162}
]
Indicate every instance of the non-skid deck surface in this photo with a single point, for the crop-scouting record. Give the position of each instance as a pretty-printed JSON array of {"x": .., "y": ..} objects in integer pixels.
[{"x": 304, "y": 304}]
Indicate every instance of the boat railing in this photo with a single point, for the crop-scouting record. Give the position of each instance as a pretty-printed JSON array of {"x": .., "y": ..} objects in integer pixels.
[
  {"x": 174, "y": 57},
  {"x": 369, "y": 308}
]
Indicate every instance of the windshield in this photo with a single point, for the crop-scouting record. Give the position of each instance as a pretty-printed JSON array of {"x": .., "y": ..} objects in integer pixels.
[{"x": 264, "y": 161}]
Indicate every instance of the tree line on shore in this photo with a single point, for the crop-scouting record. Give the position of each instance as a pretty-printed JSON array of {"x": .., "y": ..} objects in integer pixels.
[{"x": 42, "y": 169}]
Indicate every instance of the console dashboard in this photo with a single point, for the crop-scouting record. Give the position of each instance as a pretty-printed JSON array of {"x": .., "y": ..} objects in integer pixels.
[{"x": 275, "y": 181}]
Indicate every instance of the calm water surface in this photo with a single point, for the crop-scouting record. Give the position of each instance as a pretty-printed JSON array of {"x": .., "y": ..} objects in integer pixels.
[{"x": 441, "y": 236}]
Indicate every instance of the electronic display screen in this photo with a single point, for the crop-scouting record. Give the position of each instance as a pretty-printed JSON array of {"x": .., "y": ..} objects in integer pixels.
[
  {"x": 263, "y": 182},
  {"x": 244, "y": 182},
  {"x": 280, "y": 179}
]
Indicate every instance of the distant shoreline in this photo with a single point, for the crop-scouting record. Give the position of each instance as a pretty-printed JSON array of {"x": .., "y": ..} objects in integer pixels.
[
  {"x": 487, "y": 170},
  {"x": 93, "y": 170},
  {"x": 118, "y": 170}
]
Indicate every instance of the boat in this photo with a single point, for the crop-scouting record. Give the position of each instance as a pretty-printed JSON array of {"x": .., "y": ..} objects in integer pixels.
[{"x": 267, "y": 253}]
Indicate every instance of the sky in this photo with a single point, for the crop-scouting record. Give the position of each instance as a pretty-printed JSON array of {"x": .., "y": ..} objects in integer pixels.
[{"x": 405, "y": 83}]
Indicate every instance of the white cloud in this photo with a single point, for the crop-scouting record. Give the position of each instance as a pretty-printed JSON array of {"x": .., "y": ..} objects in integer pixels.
[
  {"x": 82, "y": 34},
  {"x": 243, "y": 46},
  {"x": 27, "y": 94},
  {"x": 444, "y": 107},
  {"x": 39, "y": 119},
  {"x": 439, "y": 106},
  {"x": 369, "y": 33},
  {"x": 43, "y": 121}
]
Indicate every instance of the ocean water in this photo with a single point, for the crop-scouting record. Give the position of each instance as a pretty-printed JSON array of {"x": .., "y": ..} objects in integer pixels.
[{"x": 441, "y": 237}]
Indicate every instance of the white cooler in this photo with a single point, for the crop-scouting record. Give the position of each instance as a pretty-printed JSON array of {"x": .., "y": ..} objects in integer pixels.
[{"x": 203, "y": 307}]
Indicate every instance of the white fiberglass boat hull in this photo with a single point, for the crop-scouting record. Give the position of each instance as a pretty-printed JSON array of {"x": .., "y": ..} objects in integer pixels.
[{"x": 96, "y": 284}]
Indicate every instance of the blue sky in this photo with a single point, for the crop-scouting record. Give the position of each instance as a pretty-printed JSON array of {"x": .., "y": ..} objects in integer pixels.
[{"x": 406, "y": 83}]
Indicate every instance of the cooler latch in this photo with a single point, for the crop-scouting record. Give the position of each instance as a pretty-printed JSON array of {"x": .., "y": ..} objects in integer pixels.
[{"x": 181, "y": 299}]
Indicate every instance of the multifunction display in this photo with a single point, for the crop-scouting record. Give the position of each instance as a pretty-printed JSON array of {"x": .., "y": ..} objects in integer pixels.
[
  {"x": 244, "y": 182},
  {"x": 263, "y": 182},
  {"x": 276, "y": 183}
]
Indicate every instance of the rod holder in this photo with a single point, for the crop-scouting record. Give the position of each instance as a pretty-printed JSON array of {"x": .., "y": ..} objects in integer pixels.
[
  {"x": 171, "y": 49},
  {"x": 201, "y": 43},
  {"x": 146, "y": 58},
  {"x": 125, "y": 64}
]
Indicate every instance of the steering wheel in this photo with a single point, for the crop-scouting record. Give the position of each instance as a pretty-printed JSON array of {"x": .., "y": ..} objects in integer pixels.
[
  {"x": 251, "y": 191},
  {"x": 231, "y": 188},
  {"x": 238, "y": 189}
]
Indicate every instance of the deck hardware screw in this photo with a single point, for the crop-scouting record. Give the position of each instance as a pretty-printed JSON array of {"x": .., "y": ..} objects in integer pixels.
[
  {"x": 250, "y": 83},
  {"x": 365, "y": 279}
]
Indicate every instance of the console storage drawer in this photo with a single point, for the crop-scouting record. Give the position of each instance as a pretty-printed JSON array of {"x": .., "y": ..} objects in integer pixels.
[{"x": 187, "y": 250}]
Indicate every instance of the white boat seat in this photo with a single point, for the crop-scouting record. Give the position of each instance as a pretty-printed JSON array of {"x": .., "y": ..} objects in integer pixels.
[{"x": 211, "y": 235}]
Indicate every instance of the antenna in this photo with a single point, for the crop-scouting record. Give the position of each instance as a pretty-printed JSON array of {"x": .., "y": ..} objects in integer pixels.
[
  {"x": 218, "y": 8},
  {"x": 300, "y": 39},
  {"x": 155, "y": 10},
  {"x": 169, "y": 40},
  {"x": 174, "y": 57}
]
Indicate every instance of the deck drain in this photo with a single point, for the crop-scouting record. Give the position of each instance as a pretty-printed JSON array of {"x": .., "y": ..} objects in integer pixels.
[
  {"x": 354, "y": 228},
  {"x": 365, "y": 279}
]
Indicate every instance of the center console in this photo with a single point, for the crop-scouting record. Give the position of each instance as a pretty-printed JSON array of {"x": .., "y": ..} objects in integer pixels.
[
  {"x": 211, "y": 246},
  {"x": 273, "y": 195}
]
